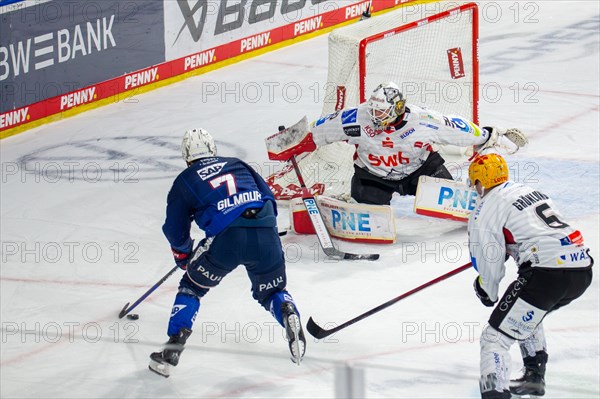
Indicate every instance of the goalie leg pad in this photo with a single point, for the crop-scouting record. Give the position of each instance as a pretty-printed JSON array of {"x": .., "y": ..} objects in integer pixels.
[{"x": 355, "y": 222}]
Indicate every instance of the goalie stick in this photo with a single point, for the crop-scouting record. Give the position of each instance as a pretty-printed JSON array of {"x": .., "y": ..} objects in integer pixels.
[
  {"x": 318, "y": 332},
  {"x": 319, "y": 225}
]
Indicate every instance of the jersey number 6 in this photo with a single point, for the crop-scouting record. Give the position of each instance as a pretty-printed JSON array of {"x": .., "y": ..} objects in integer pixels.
[{"x": 549, "y": 218}]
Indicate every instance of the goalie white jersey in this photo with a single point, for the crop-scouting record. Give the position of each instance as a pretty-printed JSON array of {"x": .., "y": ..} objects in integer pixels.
[
  {"x": 401, "y": 149},
  {"x": 516, "y": 220}
]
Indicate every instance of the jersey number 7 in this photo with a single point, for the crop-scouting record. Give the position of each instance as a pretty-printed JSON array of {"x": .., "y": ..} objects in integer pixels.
[{"x": 228, "y": 179}]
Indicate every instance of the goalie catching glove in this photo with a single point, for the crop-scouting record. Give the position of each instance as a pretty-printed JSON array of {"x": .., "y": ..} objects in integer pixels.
[{"x": 510, "y": 140}]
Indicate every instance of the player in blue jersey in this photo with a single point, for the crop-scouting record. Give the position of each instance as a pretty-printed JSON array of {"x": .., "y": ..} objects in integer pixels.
[{"x": 236, "y": 209}]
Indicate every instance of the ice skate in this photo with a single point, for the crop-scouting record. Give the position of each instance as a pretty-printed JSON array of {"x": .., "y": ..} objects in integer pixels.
[
  {"x": 161, "y": 362},
  {"x": 488, "y": 386},
  {"x": 293, "y": 332},
  {"x": 532, "y": 382}
]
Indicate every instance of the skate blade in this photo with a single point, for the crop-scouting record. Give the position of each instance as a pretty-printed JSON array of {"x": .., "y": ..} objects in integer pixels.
[
  {"x": 161, "y": 369},
  {"x": 297, "y": 346}
]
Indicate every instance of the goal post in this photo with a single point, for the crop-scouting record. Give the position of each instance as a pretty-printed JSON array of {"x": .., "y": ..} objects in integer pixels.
[{"x": 433, "y": 58}]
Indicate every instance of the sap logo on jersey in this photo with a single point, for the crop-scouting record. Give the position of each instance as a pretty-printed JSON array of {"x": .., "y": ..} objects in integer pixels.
[
  {"x": 350, "y": 221},
  {"x": 464, "y": 199},
  {"x": 211, "y": 170}
]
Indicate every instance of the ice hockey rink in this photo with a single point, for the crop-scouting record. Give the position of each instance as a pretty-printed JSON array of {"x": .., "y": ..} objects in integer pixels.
[{"x": 83, "y": 202}]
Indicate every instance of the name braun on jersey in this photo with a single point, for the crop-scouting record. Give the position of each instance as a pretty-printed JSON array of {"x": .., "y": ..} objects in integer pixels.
[{"x": 238, "y": 199}]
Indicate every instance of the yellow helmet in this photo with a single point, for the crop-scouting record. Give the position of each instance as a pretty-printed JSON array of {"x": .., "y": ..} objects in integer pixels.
[{"x": 491, "y": 170}]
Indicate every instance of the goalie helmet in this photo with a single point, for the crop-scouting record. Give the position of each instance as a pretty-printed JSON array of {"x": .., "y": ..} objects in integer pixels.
[
  {"x": 196, "y": 144},
  {"x": 491, "y": 170},
  {"x": 386, "y": 105}
]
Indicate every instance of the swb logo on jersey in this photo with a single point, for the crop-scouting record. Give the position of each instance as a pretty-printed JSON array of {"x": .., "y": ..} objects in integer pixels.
[{"x": 211, "y": 170}]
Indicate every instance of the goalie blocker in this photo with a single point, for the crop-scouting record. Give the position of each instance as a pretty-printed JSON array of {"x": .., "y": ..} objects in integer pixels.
[{"x": 290, "y": 141}]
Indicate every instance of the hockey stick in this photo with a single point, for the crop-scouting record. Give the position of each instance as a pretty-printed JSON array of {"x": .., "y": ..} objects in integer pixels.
[
  {"x": 317, "y": 221},
  {"x": 318, "y": 332},
  {"x": 126, "y": 309}
]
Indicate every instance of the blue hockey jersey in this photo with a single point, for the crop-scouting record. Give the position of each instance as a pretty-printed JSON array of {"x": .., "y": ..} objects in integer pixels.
[{"x": 213, "y": 192}]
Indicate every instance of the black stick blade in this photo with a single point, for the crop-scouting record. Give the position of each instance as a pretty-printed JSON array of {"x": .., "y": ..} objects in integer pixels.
[
  {"x": 316, "y": 331},
  {"x": 335, "y": 253},
  {"x": 349, "y": 256},
  {"x": 123, "y": 311}
]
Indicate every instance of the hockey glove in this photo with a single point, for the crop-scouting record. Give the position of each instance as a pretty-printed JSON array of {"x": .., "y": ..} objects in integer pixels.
[
  {"x": 181, "y": 258},
  {"x": 481, "y": 294},
  {"x": 510, "y": 140},
  {"x": 517, "y": 137},
  {"x": 492, "y": 140}
]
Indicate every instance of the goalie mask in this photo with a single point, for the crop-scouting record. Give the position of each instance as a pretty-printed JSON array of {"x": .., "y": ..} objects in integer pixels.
[
  {"x": 196, "y": 144},
  {"x": 491, "y": 170},
  {"x": 386, "y": 105}
]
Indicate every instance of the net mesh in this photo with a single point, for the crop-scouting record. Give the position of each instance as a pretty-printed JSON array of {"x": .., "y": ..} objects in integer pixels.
[{"x": 433, "y": 63}]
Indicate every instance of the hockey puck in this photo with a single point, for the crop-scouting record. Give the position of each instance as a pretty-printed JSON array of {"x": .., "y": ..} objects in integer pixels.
[{"x": 133, "y": 316}]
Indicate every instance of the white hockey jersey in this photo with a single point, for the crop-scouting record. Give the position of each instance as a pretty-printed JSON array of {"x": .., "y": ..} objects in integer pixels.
[
  {"x": 400, "y": 150},
  {"x": 517, "y": 220}
]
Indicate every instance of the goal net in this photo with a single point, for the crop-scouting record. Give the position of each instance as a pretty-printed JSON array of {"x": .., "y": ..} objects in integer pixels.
[{"x": 433, "y": 58}]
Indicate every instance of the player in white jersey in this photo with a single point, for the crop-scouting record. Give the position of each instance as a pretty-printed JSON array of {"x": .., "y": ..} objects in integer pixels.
[
  {"x": 554, "y": 268},
  {"x": 394, "y": 142}
]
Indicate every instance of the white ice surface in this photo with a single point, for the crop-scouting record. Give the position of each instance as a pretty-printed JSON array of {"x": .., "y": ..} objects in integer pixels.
[{"x": 78, "y": 245}]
